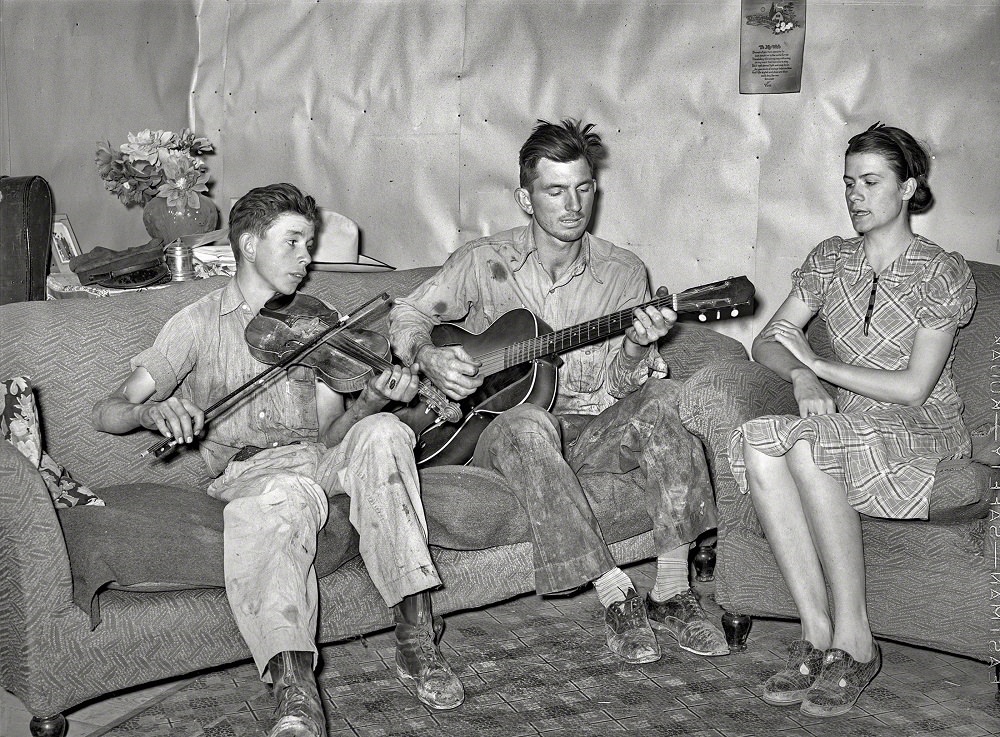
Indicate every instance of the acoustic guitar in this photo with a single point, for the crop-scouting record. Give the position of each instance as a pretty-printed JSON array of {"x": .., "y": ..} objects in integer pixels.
[{"x": 519, "y": 361}]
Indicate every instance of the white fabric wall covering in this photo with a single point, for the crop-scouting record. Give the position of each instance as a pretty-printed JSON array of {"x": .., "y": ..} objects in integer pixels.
[
  {"x": 407, "y": 115},
  {"x": 78, "y": 71}
]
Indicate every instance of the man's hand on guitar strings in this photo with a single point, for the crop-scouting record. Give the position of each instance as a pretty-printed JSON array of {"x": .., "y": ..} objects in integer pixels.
[
  {"x": 650, "y": 324},
  {"x": 451, "y": 369}
]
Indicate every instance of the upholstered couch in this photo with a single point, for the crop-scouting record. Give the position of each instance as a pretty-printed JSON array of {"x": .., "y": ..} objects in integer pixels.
[
  {"x": 929, "y": 582},
  {"x": 75, "y": 351}
]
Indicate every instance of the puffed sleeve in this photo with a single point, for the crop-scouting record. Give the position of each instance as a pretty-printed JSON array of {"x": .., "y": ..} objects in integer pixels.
[
  {"x": 947, "y": 293},
  {"x": 811, "y": 281}
]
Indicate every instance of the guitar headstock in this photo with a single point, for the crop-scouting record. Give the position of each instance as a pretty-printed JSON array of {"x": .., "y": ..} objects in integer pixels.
[{"x": 721, "y": 300}]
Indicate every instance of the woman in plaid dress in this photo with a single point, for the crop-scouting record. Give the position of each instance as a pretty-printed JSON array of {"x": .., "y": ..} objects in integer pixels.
[{"x": 893, "y": 302}]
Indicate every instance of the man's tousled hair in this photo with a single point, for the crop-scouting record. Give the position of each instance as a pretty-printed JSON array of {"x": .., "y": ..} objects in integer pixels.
[{"x": 562, "y": 142}]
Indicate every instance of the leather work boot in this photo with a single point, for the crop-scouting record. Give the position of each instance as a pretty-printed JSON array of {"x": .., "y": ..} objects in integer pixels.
[
  {"x": 418, "y": 658},
  {"x": 300, "y": 711}
]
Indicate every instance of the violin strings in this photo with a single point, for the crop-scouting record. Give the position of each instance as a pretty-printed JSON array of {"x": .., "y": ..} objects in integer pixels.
[{"x": 361, "y": 353}]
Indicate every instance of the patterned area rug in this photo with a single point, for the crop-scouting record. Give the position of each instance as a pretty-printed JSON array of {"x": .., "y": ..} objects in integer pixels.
[{"x": 540, "y": 666}]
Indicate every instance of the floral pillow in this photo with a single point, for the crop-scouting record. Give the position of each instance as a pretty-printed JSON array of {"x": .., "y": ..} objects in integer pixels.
[{"x": 19, "y": 425}]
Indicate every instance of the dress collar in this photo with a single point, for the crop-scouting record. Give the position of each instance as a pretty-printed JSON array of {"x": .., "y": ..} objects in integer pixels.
[{"x": 903, "y": 267}]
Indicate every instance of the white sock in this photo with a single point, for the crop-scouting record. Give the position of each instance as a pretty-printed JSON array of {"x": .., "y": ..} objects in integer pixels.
[
  {"x": 671, "y": 574},
  {"x": 613, "y": 586}
]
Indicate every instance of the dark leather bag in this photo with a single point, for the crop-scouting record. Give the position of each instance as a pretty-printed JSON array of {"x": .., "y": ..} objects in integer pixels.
[{"x": 25, "y": 238}]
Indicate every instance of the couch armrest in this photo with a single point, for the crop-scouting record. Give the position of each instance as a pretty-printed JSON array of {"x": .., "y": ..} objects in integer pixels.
[
  {"x": 35, "y": 580},
  {"x": 689, "y": 347},
  {"x": 713, "y": 402}
]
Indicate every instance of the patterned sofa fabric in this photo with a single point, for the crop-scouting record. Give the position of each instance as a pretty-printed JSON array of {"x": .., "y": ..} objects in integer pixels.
[{"x": 75, "y": 351}]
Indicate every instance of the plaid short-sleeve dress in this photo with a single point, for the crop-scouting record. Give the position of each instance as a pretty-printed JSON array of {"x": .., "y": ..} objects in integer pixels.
[{"x": 886, "y": 454}]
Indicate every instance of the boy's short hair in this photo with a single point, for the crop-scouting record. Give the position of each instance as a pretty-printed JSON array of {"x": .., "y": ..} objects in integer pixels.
[{"x": 256, "y": 211}]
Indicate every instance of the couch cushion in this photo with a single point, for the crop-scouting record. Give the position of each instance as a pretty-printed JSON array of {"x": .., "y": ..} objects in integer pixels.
[
  {"x": 470, "y": 508},
  {"x": 157, "y": 537},
  {"x": 961, "y": 492},
  {"x": 976, "y": 365}
]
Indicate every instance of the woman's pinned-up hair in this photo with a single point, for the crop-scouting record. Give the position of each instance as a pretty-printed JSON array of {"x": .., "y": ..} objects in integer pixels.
[{"x": 907, "y": 158}]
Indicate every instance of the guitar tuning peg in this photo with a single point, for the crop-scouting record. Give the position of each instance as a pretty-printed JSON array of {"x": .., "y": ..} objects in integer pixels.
[
  {"x": 734, "y": 312},
  {"x": 701, "y": 317}
]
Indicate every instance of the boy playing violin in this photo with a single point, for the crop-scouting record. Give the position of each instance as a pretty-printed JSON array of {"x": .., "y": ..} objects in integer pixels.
[{"x": 276, "y": 458}]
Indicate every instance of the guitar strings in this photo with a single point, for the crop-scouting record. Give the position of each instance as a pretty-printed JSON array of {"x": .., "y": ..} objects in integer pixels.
[
  {"x": 553, "y": 342},
  {"x": 499, "y": 358}
]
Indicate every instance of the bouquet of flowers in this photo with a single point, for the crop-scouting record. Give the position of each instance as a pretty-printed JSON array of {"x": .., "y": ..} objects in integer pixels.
[{"x": 156, "y": 164}]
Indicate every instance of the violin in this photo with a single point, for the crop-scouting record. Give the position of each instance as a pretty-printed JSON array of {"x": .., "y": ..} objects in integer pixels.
[
  {"x": 344, "y": 362},
  {"x": 305, "y": 331}
]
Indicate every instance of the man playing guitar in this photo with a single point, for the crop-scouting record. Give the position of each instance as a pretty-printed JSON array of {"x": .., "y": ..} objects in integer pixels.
[{"x": 614, "y": 410}]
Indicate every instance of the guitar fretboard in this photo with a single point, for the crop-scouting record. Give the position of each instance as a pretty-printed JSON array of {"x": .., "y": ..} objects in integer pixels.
[
  {"x": 700, "y": 300},
  {"x": 575, "y": 336}
]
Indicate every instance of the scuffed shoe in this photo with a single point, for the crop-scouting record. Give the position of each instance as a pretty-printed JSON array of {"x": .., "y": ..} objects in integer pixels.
[
  {"x": 300, "y": 711},
  {"x": 628, "y": 632},
  {"x": 789, "y": 686},
  {"x": 840, "y": 683},
  {"x": 418, "y": 658},
  {"x": 685, "y": 620}
]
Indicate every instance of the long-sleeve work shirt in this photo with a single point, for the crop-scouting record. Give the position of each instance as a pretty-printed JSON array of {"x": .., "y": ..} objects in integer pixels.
[{"x": 490, "y": 276}]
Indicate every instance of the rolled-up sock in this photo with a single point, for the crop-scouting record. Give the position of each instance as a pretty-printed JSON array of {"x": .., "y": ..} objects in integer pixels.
[
  {"x": 613, "y": 586},
  {"x": 671, "y": 574}
]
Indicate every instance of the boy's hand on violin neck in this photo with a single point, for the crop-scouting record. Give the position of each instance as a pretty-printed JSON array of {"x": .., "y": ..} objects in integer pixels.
[
  {"x": 174, "y": 417},
  {"x": 398, "y": 385}
]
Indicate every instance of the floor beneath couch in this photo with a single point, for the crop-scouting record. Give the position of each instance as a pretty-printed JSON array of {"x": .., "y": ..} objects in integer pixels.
[{"x": 539, "y": 666}]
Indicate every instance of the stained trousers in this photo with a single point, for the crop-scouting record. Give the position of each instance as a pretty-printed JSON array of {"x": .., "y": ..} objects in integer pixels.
[
  {"x": 542, "y": 457},
  {"x": 276, "y": 503}
]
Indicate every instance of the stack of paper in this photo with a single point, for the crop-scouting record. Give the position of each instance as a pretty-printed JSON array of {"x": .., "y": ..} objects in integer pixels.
[{"x": 212, "y": 253}]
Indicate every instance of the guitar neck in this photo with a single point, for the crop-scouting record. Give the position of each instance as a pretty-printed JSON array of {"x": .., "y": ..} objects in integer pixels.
[
  {"x": 720, "y": 300},
  {"x": 561, "y": 341}
]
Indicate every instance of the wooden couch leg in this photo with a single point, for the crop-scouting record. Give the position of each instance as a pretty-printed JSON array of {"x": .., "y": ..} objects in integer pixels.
[
  {"x": 737, "y": 627},
  {"x": 53, "y": 726},
  {"x": 703, "y": 560}
]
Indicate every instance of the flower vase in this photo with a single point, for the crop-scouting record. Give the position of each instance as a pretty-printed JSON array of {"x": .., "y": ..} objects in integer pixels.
[{"x": 169, "y": 223}]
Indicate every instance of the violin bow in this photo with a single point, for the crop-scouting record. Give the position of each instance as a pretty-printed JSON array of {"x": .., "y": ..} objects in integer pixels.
[{"x": 161, "y": 447}]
